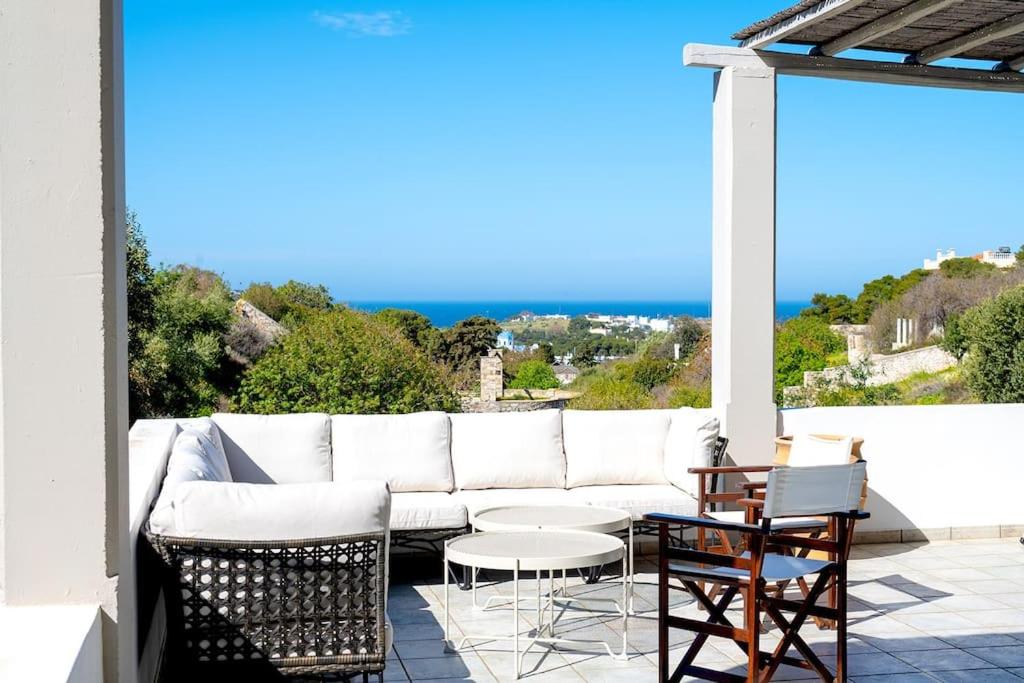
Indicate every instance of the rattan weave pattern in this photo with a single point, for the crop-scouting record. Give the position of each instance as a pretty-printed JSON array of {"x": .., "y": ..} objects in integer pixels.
[{"x": 311, "y": 606}]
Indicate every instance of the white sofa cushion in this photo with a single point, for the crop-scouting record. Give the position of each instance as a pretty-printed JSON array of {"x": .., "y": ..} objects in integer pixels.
[
  {"x": 277, "y": 449},
  {"x": 258, "y": 512},
  {"x": 508, "y": 450},
  {"x": 411, "y": 452},
  {"x": 637, "y": 499},
  {"x": 483, "y": 499},
  {"x": 690, "y": 443},
  {"x": 194, "y": 457},
  {"x": 604, "y": 447},
  {"x": 808, "y": 450},
  {"x": 426, "y": 510}
]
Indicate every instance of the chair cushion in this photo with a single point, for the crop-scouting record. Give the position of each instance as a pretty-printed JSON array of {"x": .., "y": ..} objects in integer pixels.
[
  {"x": 808, "y": 450},
  {"x": 285, "y": 512},
  {"x": 778, "y": 524},
  {"x": 690, "y": 443},
  {"x": 212, "y": 442},
  {"x": 508, "y": 450},
  {"x": 604, "y": 447},
  {"x": 426, "y": 511},
  {"x": 277, "y": 449},
  {"x": 637, "y": 499},
  {"x": 411, "y": 452},
  {"x": 194, "y": 457},
  {"x": 481, "y": 500},
  {"x": 775, "y": 568}
]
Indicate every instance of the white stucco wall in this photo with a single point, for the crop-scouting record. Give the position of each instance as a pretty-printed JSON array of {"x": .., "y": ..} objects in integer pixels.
[{"x": 958, "y": 468}]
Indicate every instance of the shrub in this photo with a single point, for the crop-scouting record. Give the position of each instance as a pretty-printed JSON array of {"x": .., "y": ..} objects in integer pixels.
[
  {"x": 604, "y": 392},
  {"x": 684, "y": 395},
  {"x": 648, "y": 372},
  {"x": 994, "y": 335},
  {"x": 802, "y": 344},
  {"x": 343, "y": 361},
  {"x": 534, "y": 374}
]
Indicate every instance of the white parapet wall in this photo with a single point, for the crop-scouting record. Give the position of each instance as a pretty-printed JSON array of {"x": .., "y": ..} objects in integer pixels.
[{"x": 935, "y": 472}]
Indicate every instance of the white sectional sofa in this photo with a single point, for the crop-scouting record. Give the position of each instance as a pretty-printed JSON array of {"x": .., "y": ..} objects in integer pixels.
[{"x": 441, "y": 468}]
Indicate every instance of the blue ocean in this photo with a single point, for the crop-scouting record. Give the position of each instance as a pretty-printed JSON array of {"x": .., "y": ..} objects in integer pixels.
[{"x": 447, "y": 313}]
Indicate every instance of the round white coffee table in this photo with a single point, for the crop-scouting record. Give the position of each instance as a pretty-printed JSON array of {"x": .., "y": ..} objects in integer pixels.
[
  {"x": 592, "y": 518},
  {"x": 539, "y": 551}
]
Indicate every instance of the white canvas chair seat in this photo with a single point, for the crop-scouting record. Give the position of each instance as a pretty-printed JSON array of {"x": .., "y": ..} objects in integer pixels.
[
  {"x": 779, "y": 524},
  {"x": 776, "y": 568}
]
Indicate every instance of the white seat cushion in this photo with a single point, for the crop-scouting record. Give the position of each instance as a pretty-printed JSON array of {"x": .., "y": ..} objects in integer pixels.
[
  {"x": 426, "y": 510},
  {"x": 411, "y": 452},
  {"x": 194, "y": 457},
  {"x": 604, "y": 447},
  {"x": 775, "y": 568},
  {"x": 637, "y": 499},
  {"x": 508, "y": 450},
  {"x": 257, "y": 512},
  {"x": 691, "y": 440},
  {"x": 481, "y": 500},
  {"x": 808, "y": 450},
  {"x": 778, "y": 524},
  {"x": 277, "y": 449}
]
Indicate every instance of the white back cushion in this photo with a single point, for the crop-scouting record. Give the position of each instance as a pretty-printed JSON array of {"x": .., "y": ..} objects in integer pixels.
[
  {"x": 690, "y": 443},
  {"x": 508, "y": 450},
  {"x": 411, "y": 452},
  {"x": 194, "y": 457},
  {"x": 604, "y": 447},
  {"x": 257, "y": 512},
  {"x": 277, "y": 449},
  {"x": 809, "y": 451}
]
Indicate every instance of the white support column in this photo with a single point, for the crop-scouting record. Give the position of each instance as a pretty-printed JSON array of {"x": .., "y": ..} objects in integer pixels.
[
  {"x": 743, "y": 294},
  {"x": 63, "y": 356}
]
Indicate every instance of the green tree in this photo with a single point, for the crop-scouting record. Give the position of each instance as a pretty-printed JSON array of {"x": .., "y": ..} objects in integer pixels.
[
  {"x": 289, "y": 304},
  {"x": 883, "y": 289},
  {"x": 546, "y": 353},
  {"x": 265, "y": 297},
  {"x": 610, "y": 393},
  {"x": 179, "y": 370},
  {"x": 579, "y": 325},
  {"x": 583, "y": 355},
  {"x": 802, "y": 344},
  {"x": 994, "y": 333},
  {"x": 534, "y": 374},
  {"x": 462, "y": 344},
  {"x": 648, "y": 372},
  {"x": 953, "y": 339},
  {"x": 141, "y": 311},
  {"x": 316, "y": 297},
  {"x": 964, "y": 268},
  {"x": 343, "y": 361},
  {"x": 414, "y": 326},
  {"x": 832, "y": 309}
]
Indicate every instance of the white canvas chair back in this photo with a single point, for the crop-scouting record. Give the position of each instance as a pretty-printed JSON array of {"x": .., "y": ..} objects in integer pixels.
[
  {"x": 808, "y": 450},
  {"x": 821, "y": 490}
]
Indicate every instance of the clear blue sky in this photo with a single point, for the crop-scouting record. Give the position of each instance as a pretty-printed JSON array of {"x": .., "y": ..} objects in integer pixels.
[{"x": 526, "y": 150}]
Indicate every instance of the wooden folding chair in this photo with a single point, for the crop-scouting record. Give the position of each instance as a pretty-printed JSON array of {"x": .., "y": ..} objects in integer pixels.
[{"x": 833, "y": 491}]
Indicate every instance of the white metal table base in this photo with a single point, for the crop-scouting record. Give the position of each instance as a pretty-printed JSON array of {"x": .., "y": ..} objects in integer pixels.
[{"x": 543, "y": 606}]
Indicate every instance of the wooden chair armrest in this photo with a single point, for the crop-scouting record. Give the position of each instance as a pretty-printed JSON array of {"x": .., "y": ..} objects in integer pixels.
[
  {"x": 665, "y": 518},
  {"x": 756, "y": 503},
  {"x": 731, "y": 469},
  {"x": 752, "y": 485}
]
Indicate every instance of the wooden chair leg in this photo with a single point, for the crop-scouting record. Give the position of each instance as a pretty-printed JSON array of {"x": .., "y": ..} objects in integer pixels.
[
  {"x": 663, "y": 603},
  {"x": 752, "y": 626}
]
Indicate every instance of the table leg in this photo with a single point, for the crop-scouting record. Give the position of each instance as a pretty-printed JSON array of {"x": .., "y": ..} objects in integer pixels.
[
  {"x": 632, "y": 568},
  {"x": 515, "y": 619},
  {"x": 446, "y": 569},
  {"x": 551, "y": 602},
  {"x": 627, "y": 588},
  {"x": 540, "y": 605}
]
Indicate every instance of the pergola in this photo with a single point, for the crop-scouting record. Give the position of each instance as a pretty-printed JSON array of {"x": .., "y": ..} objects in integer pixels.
[{"x": 923, "y": 32}]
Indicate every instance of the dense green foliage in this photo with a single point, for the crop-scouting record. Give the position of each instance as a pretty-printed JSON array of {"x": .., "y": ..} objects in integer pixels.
[
  {"x": 343, "y": 361},
  {"x": 291, "y": 303},
  {"x": 141, "y": 313},
  {"x": 965, "y": 268},
  {"x": 178, "y": 368},
  {"x": 953, "y": 339},
  {"x": 648, "y": 372},
  {"x": 683, "y": 395},
  {"x": 534, "y": 374},
  {"x": 840, "y": 308},
  {"x": 461, "y": 345},
  {"x": 414, "y": 326},
  {"x": 801, "y": 344},
  {"x": 604, "y": 392},
  {"x": 994, "y": 339},
  {"x": 687, "y": 332}
]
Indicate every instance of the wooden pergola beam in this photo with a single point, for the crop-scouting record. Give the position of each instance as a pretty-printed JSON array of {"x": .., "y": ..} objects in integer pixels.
[
  {"x": 1007, "y": 26},
  {"x": 718, "y": 57},
  {"x": 1015, "y": 64},
  {"x": 776, "y": 32},
  {"x": 884, "y": 25}
]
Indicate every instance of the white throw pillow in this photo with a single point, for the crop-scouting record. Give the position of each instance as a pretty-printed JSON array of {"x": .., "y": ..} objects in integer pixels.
[
  {"x": 411, "y": 452},
  {"x": 194, "y": 457},
  {"x": 810, "y": 451},
  {"x": 277, "y": 449},
  {"x": 285, "y": 512},
  {"x": 508, "y": 450},
  {"x": 604, "y": 447},
  {"x": 690, "y": 443},
  {"x": 208, "y": 429}
]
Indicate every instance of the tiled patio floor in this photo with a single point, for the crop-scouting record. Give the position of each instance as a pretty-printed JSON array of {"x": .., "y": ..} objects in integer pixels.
[{"x": 944, "y": 611}]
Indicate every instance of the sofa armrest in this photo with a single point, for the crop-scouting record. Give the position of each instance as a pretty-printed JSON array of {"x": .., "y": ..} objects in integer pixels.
[{"x": 230, "y": 511}]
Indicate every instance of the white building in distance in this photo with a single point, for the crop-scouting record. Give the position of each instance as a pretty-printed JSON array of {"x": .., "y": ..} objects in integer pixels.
[{"x": 1003, "y": 257}]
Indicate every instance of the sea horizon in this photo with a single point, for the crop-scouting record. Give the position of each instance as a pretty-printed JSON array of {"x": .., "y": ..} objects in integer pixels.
[{"x": 444, "y": 313}]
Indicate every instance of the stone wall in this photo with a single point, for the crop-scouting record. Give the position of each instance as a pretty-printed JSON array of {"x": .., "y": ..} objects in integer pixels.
[
  {"x": 473, "y": 405},
  {"x": 492, "y": 379},
  {"x": 886, "y": 369}
]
